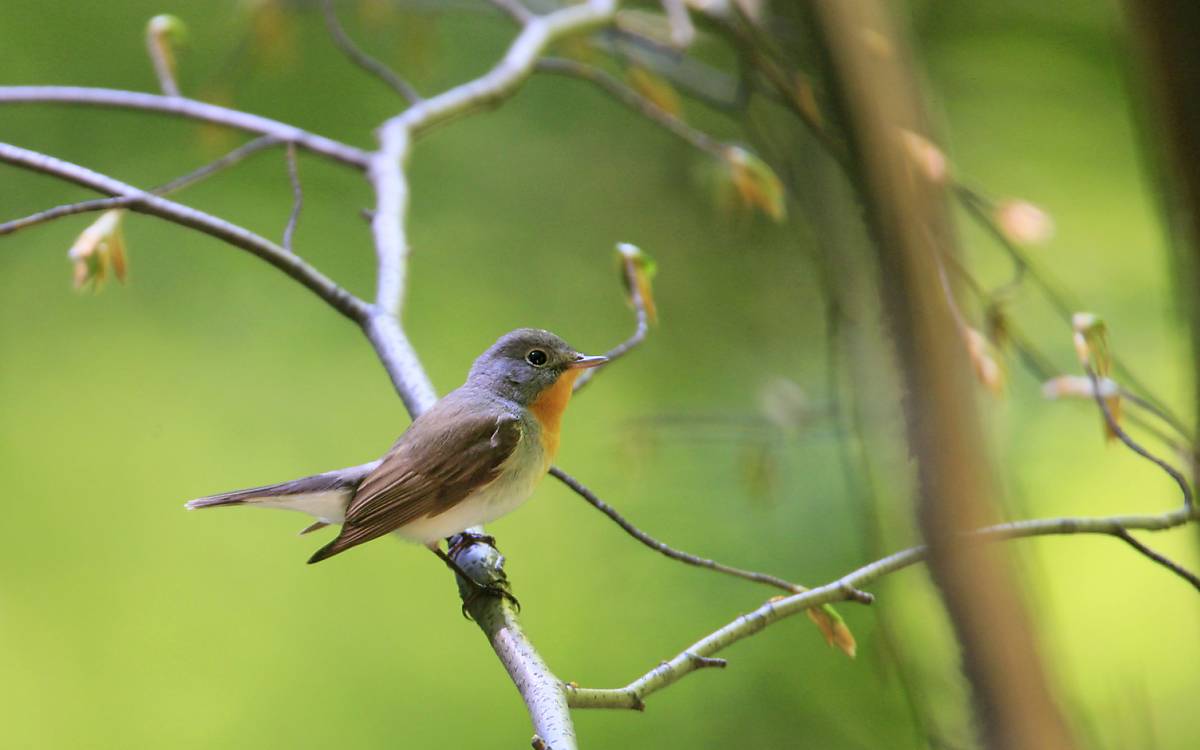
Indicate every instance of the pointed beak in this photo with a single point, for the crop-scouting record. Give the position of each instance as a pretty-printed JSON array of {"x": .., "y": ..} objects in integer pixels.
[{"x": 582, "y": 361}]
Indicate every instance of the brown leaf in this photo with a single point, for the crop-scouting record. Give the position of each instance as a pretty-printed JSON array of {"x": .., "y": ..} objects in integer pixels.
[
  {"x": 99, "y": 249},
  {"x": 756, "y": 183},
  {"x": 655, "y": 88},
  {"x": 833, "y": 627}
]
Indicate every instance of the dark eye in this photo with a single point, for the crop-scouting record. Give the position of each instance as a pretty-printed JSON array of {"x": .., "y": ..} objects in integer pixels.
[{"x": 537, "y": 357}]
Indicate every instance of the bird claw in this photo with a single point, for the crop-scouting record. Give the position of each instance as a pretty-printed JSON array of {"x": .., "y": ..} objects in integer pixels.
[
  {"x": 498, "y": 590},
  {"x": 464, "y": 539}
]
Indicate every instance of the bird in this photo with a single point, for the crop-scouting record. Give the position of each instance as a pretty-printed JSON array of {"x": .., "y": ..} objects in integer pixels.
[{"x": 475, "y": 455}]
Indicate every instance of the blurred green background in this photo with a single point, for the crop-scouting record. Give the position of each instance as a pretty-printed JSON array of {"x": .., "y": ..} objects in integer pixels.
[{"x": 126, "y": 622}]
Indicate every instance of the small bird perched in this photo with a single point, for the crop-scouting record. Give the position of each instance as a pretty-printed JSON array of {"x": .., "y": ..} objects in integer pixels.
[{"x": 476, "y": 455}]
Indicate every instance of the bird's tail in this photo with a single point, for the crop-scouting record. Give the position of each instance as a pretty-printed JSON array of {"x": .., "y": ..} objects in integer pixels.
[{"x": 322, "y": 495}]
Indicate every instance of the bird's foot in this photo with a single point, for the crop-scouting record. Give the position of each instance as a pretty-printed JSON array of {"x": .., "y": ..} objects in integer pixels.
[
  {"x": 464, "y": 539},
  {"x": 499, "y": 590},
  {"x": 498, "y": 587}
]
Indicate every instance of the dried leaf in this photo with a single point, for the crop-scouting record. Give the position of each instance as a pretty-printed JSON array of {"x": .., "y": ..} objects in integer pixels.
[
  {"x": 166, "y": 33},
  {"x": 997, "y": 326},
  {"x": 1091, "y": 346},
  {"x": 987, "y": 369},
  {"x": 1023, "y": 223},
  {"x": 805, "y": 99},
  {"x": 643, "y": 267},
  {"x": 99, "y": 249},
  {"x": 925, "y": 156},
  {"x": 756, "y": 183},
  {"x": 1077, "y": 386},
  {"x": 1091, "y": 342},
  {"x": 273, "y": 33},
  {"x": 834, "y": 628},
  {"x": 655, "y": 88}
]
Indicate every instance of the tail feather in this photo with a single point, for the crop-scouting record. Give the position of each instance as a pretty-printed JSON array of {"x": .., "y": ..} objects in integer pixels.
[{"x": 330, "y": 481}]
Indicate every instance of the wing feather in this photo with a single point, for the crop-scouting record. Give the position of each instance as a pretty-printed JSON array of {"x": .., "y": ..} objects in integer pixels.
[{"x": 445, "y": 455}]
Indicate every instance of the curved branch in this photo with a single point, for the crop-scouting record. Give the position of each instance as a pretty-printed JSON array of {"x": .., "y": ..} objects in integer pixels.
[
  {"x": 633, "y": 695},
  {"x": 670, "y": 552},
  {"x": 103, "y": 204},
  {"x": 189, "y": 108},
  {"x": 364, "y": 60},
  {"x": 641, "y": 314},
  {"x": 147, "y": 203},
  {"x": 635, "y": 101},
  {"x": 539, "y": 688}
]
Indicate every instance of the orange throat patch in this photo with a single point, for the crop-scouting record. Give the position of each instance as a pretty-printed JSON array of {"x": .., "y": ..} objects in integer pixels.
[{"x": 548, "y": 407}]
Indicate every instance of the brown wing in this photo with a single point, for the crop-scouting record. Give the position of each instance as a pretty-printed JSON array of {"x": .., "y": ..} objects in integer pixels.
[{"x": 444, "y": 456}]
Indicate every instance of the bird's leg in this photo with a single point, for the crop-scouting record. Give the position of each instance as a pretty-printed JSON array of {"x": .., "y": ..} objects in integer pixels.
[
  {"x": 477, "y": 588},
  {"x": 464, "y": 539}
]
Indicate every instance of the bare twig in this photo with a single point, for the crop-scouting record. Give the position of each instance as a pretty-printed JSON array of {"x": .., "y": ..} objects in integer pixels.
[
  {"x": 514, "y": 10},
  {"x": 635, "y": 101},
  {"x": 1159, "y": 558},
  {"x": 179, "y": 183},
  {"x": 189, "y": 108},
  {"x": 640, "y": 330},
  {"x": 633, "y": 695},
  {"x": 147, "y": 203},
  {"x": 1132, "y": 444},
  {"x": 539, "y": 688},
  {"x": 157, "y": 45},
  {"x": 363, "y": 60},
  {"x": 980, "y": 208},
  {"x": 658, "y": 546},
  {"x": 293, "y": 171}
]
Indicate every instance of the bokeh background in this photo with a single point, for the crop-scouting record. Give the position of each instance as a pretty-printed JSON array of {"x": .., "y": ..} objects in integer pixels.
[{"x": 127, "y": 622}]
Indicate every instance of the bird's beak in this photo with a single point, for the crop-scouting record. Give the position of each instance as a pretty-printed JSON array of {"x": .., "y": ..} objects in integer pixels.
[{"x": 582, "y": 361}]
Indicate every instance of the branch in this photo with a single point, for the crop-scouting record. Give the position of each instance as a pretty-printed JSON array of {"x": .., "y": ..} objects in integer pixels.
[
  {"x": 147, "y": 203},
  {"x": 539, "y": 688},
  {"x": 633, "y": 695},
  {"x": 189, "y": 108},
  {"x": 658, "y": 546},
  {"x": 514, "y": 10},
  {"x": 363, "y": 60},
  {"x": 1159, "y": 558},
  {"x": 635, "y": 101},
  {"x": 1110, "y": 420},
  {"x": 641, "y": 310},
  {"x": 179, "y": 183},
  {"x": 293, "y": 171}
]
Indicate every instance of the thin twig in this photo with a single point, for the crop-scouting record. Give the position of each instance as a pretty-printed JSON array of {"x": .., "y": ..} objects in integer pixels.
[
  {"x": 514, "y": 10},
  {"x": 147, "y": 203},
  {"x": 658, "y": 546},
  {"x": 179, "y": 183},
  {"x": 539, "y": 688},
  {"x": 1133, "y": 444},
  {"x": 980, "y": 208},
  {"x": 293, "y": 171},
  {"x": 633, "y": 695},
  {"x": 639, "y": 331},
  {"x": 635, "y": 101},
  {"x": 363, "y": 60},
  {"x": 157, "y": 45},
  {"x": 190, "y": 108},
  {"x": 1159, "y": 558}
]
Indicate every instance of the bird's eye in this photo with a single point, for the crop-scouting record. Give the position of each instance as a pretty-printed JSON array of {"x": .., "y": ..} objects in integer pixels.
[{"x": 537, "y": 357}]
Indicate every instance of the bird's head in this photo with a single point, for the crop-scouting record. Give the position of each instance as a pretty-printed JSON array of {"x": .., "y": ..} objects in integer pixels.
[{"x": 529, "y": 364}]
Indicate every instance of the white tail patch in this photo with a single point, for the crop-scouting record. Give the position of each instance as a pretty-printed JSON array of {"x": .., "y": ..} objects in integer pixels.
[{"x": 328, "y": 506}]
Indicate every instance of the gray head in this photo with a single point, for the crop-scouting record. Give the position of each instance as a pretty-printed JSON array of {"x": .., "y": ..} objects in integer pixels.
[{"x": 524, "y": 363}]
